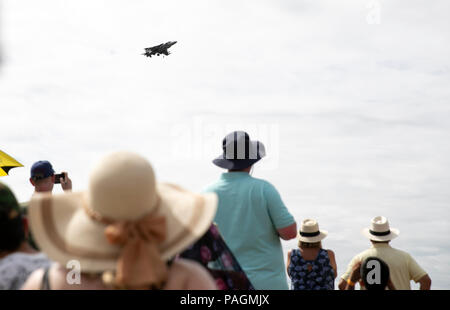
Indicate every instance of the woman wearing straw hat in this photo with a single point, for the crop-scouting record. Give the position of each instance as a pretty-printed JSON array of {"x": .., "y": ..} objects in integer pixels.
[
  {"x": 121, "y": 232},
  {"x": 310, "y": 267}
]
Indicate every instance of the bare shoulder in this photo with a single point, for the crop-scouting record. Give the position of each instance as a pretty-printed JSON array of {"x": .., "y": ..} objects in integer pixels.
[
  {"x": 34, "y": 280},
  {"x": 332, "y": 257},
  {"x": 188, "y": 267},
  {"x": 189, "y": 275}
]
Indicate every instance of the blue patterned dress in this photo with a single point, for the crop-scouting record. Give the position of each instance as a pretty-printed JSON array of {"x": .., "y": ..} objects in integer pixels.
[{"x": 311, "y": 274}]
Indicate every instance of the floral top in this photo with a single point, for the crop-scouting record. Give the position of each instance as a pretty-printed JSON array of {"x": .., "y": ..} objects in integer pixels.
[
  {"x": 315, "y": 274},
  {"x": 213, "y": 253}
]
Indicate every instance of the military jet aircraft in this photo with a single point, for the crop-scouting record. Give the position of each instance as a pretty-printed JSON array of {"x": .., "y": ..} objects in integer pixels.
[{"x": 159, "y": 49}]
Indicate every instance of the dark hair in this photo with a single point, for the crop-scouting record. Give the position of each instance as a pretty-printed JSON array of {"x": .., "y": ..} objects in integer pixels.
[
  {"x": 12, "y": 232},
  {"x": 40, "y": 180},
  {"x": 374, "y": 273},
  {"x": 238, "y": 170},
  {"x": 303, "y": 244}
]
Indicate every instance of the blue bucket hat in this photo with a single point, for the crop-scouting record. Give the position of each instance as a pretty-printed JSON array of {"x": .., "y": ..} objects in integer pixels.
[{"x": 239, "y": 152}]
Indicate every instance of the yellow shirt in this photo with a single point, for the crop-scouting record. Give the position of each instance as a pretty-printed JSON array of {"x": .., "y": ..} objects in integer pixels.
[{"x": 402, "y": 267}]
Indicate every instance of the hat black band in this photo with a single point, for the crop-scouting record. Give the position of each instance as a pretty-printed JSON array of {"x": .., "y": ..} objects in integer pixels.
[
  {"x": 383, "y": 233},
  {"x": 313, "y": 234}
]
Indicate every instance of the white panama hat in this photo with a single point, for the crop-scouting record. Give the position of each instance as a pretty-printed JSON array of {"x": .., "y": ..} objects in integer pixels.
[
  {"x": 380, "y": 230},
  {"x": 309, "y": 231}
]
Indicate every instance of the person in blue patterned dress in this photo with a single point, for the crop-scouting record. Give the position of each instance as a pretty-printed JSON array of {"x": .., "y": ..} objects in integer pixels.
[{"x": 310, "y": 267}]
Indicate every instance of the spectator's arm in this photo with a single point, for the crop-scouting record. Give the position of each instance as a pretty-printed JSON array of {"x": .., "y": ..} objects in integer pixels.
[
  {"x": 348, "y": 273},
  {"x": 342, "y": 284},
  {"x": 417, "y": 273},
  {"x": 349, "y": 287},
  {"x": 66, "y": 183},
  {"x": 425, "y": 282},
  {"x": 34, "y": 280},
  {"x": 288, "y": 261},
  {"x": 200, "y": 278},
  {"x": 289, "y": 232},
  {"x": 390, "y": 285},
  {"x": 282, "y": 219},
  {"x": 355, "y": 276},
  {"x": 185, "y": 274},
  {"x": 333, "y": 262}
]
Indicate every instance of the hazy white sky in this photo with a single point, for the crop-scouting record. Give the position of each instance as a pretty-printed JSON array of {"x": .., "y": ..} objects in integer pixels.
[{"x": 350, "y": 98}]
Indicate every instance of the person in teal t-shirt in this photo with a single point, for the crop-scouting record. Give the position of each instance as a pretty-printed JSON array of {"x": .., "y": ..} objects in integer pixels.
[{"x": 251, "y": 215}]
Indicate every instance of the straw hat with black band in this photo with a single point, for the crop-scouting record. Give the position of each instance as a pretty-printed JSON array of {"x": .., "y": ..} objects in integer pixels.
[
  {"x": 379, "y": 230},
  {"x": 310, "y": 232}
]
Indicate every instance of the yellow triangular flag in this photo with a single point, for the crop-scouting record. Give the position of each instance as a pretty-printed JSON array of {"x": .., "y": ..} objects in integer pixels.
[{"x": 7, "y": 163}]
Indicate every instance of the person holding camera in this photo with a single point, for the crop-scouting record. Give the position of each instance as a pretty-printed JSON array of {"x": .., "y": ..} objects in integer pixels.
[{"x": 43, "y": 177}]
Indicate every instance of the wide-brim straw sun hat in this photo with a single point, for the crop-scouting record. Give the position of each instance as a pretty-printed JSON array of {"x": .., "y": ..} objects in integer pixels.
[
  {"x": 310, "y": 232},
  {"x": 379, "y": 230},
  {"x": 122, "y": 189}
]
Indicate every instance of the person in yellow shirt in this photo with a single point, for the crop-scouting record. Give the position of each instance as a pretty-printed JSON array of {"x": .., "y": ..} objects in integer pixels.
[{"x": 403, "y": 268}]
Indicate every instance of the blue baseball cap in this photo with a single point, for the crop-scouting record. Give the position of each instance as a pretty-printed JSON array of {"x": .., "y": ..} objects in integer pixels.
[{"x": 41, "y": 169}]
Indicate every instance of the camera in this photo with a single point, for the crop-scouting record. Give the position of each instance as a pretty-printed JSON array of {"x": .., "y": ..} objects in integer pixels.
[{"x": 57, "y": 176}]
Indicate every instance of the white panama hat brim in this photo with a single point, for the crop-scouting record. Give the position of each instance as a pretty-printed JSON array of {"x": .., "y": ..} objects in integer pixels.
[
  {"x": 394, "y": 232},
  {"x": 323, "y": 234}
]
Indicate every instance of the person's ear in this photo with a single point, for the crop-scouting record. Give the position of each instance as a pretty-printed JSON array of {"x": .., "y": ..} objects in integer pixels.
[{"x": 32, "y": 182}]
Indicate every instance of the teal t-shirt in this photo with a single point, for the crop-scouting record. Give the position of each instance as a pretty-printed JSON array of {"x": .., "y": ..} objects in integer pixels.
[{"x": 249, "y": 213}]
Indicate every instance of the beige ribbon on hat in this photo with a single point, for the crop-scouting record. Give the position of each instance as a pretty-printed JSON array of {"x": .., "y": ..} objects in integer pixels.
[{"x": 139, "y": 265}]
